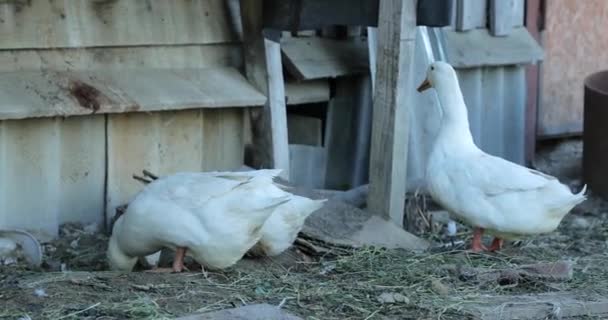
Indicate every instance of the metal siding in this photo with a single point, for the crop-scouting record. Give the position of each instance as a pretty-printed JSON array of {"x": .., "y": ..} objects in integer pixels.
[
  {"x": 51, "y": 171},
  {"x": 495, "y": 99},
  {"x": 168, "y": 142}
]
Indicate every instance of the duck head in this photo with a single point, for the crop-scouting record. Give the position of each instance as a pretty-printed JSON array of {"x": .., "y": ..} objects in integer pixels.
[
  {"x": 454, "y": 119},
  {"x": 438, "y": 75}
]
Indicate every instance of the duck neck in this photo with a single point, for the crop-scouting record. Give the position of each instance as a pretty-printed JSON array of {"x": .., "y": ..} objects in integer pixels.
[{"x": 455, "y": 121}]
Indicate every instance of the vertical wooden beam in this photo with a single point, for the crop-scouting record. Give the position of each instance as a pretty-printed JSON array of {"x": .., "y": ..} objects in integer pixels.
[
  {"x": 392, "y": 98},
  {"x": 263, "y": 68},
  {"x": 501, "y": 17},
  {"x": 470, "y": 14},
  {"x": 372, "y": 48},
  {"x": 533, "y": 17}
]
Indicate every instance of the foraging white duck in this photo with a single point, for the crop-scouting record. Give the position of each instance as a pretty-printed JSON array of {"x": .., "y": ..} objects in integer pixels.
[
  {"x": 487, "y": 192},
  {"x": 282, "y": 228},
  {"x": 213, "y": 217}
]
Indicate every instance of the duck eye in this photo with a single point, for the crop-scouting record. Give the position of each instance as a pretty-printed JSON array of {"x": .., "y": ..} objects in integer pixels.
[{"x": 432, "y": 68}]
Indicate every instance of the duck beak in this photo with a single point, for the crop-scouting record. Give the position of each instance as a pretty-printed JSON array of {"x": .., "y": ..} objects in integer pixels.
[{"x": 424, "y": 85}]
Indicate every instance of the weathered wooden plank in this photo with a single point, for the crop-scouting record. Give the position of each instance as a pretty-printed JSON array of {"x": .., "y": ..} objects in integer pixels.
[
  {"x": 164, "y": 57},
  {"x": 168, "y": 142},
  {"x": 60, "y": 24},
  {"x": 276, "y": 102},
  {"x": 314, "y": 57},
  {"x": 311, "y": 91},
  {"x": 501, "y": 17},
  {"x": 542, "y": 306},
  {"x": 48, "y": 93},
  {"x": 304, "y": 130},
  {"x": 263, "y": 67},
  {"x": 392, "y": 98},
  {"x": 470, "y": 14},
  {"x": 519, "y": 12},
  {"x": 372, "y": 49},
  {"x": 477, "y": 48},
  {"x": 252, "y": 312},
  {"x": 340, "y": 133},
  {"x": 307, "y": 166},
  {"x": 348, "y": 132}
]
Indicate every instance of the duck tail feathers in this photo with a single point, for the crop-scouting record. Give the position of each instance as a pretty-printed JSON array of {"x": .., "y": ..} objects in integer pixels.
[
  {"x": 275, "y": 202},
  {"x": 583, "y": 192},
  {"x": 581, "y": 195}
]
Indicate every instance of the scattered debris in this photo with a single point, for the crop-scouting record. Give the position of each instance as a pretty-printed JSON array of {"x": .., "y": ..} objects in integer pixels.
[
  {"x": 26, "y": 247},
  {"x": 439, "y": 288},
  {"x": 393, "y": 297},
  {"x": 91, "y": 228}
]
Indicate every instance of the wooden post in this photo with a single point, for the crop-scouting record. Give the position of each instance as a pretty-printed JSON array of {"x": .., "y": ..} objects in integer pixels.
[
  {"x": 263, "y": 68},
  {"x": 501, "y": 17},
  {"x": 392, "y": 98}
]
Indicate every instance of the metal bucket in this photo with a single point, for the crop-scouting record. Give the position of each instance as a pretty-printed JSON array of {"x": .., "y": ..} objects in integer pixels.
[{"x": 595, "y": 134}]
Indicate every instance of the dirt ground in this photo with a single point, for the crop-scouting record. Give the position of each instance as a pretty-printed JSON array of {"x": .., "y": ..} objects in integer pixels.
[{"x": 365, "y": 283}]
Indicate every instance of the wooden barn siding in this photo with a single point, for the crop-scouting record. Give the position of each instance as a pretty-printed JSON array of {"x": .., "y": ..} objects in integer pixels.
[{"x": 53, "y": 170}]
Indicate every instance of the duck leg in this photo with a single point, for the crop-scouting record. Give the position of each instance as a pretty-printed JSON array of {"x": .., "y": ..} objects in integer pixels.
[
  {"x": 496, "y": 244},
  {"x": 477, "y": 246},
  {"x": 178, "y": 262}
]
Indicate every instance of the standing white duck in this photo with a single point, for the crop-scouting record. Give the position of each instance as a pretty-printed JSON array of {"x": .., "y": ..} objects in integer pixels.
[
  {"x": 213, "y": 217},
  {"x": 484, "y": 191}
]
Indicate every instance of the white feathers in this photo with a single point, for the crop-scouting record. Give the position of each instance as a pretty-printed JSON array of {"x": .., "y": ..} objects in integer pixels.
[
  {"x": 217, "y": 216},
  {"x": 483, "y": 190}
]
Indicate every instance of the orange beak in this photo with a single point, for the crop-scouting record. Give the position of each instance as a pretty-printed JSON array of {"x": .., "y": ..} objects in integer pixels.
[{"x": 424, "y": 85}]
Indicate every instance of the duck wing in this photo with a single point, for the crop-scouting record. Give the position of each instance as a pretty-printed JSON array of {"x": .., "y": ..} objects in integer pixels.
[
  {"x": 495, "y": 176},
  {"x": 193, "y": 190}
]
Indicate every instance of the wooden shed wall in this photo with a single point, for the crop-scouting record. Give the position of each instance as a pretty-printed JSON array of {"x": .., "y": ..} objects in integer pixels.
[
  {"x": 62, "y": 169},
  {"x": 576, "y": 45}
]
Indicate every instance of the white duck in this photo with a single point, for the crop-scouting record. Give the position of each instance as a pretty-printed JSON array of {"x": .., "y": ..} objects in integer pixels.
[
  {"x": 484, "y": 191},
  {"x": 213, "y": 217},
  {"x": 282, "y": 228}
]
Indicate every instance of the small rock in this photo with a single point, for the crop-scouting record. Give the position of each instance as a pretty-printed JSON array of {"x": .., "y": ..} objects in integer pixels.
[
  {"x": 393, "y": 297},
  {"x": 580, "y": 223},
  {"x": 40, "y": 293},
  {"x": 439, "y": 287}
]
